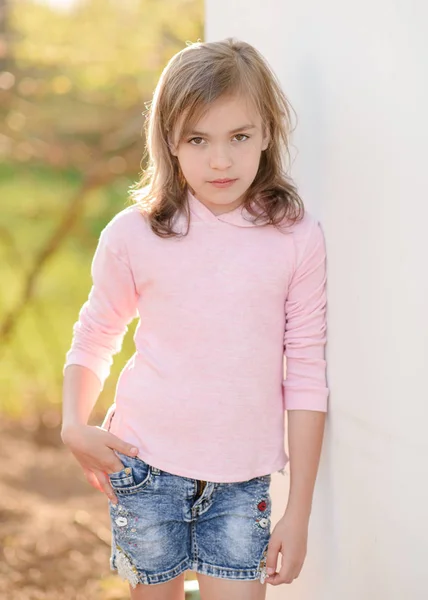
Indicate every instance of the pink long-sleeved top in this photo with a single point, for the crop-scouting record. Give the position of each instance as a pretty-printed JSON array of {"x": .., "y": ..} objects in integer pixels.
[{"x": 204, "y": 394}]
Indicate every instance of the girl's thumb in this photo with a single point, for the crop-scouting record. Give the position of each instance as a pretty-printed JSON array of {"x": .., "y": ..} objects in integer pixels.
[
  {"x": 131, "y": 450},
  {"x": 272, "y": 557},
  {"x": 123, "y": 447}
]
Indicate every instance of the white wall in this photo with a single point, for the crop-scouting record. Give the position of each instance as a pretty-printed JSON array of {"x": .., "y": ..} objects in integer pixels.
[{"x": 356, "y": 73}]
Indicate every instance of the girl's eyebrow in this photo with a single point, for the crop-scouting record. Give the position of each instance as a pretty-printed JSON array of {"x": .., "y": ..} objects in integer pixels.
[{"x": 242, "y": 128}]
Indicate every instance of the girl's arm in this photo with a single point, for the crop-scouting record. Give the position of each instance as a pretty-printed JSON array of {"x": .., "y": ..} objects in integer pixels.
[
  {"x": 305, "y": 385},
  {"x": 91, "y": 446},
  {"x": 305, "y": 434},
  {"x": 98, "y": 335},
  {"x": 305, "y": 388},
  {"x": 81, "y": 388},
  {"x": 305, "y": 399},
  {"x": 111, "y": 306}
]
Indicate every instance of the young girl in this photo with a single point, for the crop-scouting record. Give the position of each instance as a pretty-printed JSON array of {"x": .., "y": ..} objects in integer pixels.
[{"x": 226, "y": 272}]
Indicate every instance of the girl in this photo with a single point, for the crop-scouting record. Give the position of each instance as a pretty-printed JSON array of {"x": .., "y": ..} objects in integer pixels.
[{"x": 227, "y": 273}]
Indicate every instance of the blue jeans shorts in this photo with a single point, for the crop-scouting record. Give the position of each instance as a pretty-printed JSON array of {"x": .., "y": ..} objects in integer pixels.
[{"x": 165, "y": 524}]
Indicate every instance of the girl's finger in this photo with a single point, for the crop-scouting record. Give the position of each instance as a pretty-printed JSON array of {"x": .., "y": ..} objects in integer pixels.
[
  {"x": 287, "y": 573},
  {"x": 92, "y": 479},
  {"x": 103, "y": 464},
  {"x": 106, "y": 487}
]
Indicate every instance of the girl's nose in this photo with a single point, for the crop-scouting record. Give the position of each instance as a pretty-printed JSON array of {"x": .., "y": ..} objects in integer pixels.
[{"x": 220, "y": 160}]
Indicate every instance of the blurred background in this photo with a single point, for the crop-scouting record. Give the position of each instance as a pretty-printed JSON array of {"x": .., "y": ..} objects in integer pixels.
[{"x": 75, "y": 77}]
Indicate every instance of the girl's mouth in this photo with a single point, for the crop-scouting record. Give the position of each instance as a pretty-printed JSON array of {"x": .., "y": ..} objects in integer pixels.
[{"x": 222, "y": 183}]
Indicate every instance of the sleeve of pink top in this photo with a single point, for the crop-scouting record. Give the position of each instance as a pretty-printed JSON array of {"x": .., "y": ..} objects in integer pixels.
[
  {"x": 305, "y": 326},
  {"x": 111, "y": 306}
]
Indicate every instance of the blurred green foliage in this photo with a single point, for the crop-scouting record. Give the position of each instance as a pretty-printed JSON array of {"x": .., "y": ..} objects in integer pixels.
[
  {"x": 32, "y": 358},
  {"x": 75, "y": 83}
]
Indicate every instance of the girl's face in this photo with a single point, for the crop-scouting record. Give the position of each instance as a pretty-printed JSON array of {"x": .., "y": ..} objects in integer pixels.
[{"x": 220, "y": 157}]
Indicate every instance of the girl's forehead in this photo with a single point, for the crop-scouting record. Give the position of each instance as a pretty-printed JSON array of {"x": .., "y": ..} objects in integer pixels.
[
  {"x": 230, "y": 108},
  {"x": 226, "y": 113}
]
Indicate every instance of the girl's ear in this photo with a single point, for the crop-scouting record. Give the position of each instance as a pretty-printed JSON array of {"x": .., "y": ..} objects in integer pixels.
[
  {"x": 266, "y": 138},
  {"x": 172, "y": 147},
  {"x": 171, "y": 144}
]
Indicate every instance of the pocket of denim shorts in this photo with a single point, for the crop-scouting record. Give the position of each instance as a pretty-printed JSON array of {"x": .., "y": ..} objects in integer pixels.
[{"x": 133, "y": 478}]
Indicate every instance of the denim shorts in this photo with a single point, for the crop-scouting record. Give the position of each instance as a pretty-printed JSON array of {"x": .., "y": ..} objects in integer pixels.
[{"x": 165, "y": 524}]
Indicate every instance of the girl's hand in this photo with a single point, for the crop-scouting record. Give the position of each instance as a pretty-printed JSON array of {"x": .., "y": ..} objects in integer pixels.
[
  {"x": 289, "y": 537},
  {"x": 93, "y": 448}
]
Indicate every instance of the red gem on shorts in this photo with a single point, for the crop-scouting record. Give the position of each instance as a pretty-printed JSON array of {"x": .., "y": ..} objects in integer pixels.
[{"x": 262, "y": 505}]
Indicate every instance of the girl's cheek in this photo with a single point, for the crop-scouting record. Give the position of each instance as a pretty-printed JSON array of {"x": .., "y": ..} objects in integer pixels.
[{"x": 192, "y": 153}]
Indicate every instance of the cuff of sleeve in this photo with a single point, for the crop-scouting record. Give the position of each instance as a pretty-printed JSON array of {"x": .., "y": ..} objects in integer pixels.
[
  {"x": 97, "y": 365},
  {"x": 306, "y": 398}
]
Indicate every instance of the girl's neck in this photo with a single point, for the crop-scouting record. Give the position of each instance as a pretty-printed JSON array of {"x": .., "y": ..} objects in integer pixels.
[{"x": 218, "y": 209}]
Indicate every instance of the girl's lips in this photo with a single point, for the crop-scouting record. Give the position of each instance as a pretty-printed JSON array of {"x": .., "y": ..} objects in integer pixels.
[{"x": 221, "y": 183}]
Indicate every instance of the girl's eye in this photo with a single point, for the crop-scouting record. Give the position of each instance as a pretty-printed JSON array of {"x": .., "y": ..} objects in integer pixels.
[
  {"x": 241, "y": 137},
  {"x": 196, "y": 141}
]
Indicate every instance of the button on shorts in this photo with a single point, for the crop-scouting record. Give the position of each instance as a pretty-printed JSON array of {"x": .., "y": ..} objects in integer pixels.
[{"x": 165, "y": 524}]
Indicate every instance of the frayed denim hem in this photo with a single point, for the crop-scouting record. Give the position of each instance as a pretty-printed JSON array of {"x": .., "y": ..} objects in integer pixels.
[
  {"x": 122, "y": 565},
  {"x": 226, "y": 573}
]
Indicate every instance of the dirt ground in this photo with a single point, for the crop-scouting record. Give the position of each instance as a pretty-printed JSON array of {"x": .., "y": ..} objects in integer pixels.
[{"x": 54, "y": 527}]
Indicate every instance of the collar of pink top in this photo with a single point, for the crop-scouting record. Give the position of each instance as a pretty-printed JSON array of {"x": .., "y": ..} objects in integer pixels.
[{"x": 239, "y": 216}]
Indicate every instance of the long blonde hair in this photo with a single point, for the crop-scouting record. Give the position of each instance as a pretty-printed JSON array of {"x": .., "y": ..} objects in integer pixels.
[{"x": 193, "y": 79}]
